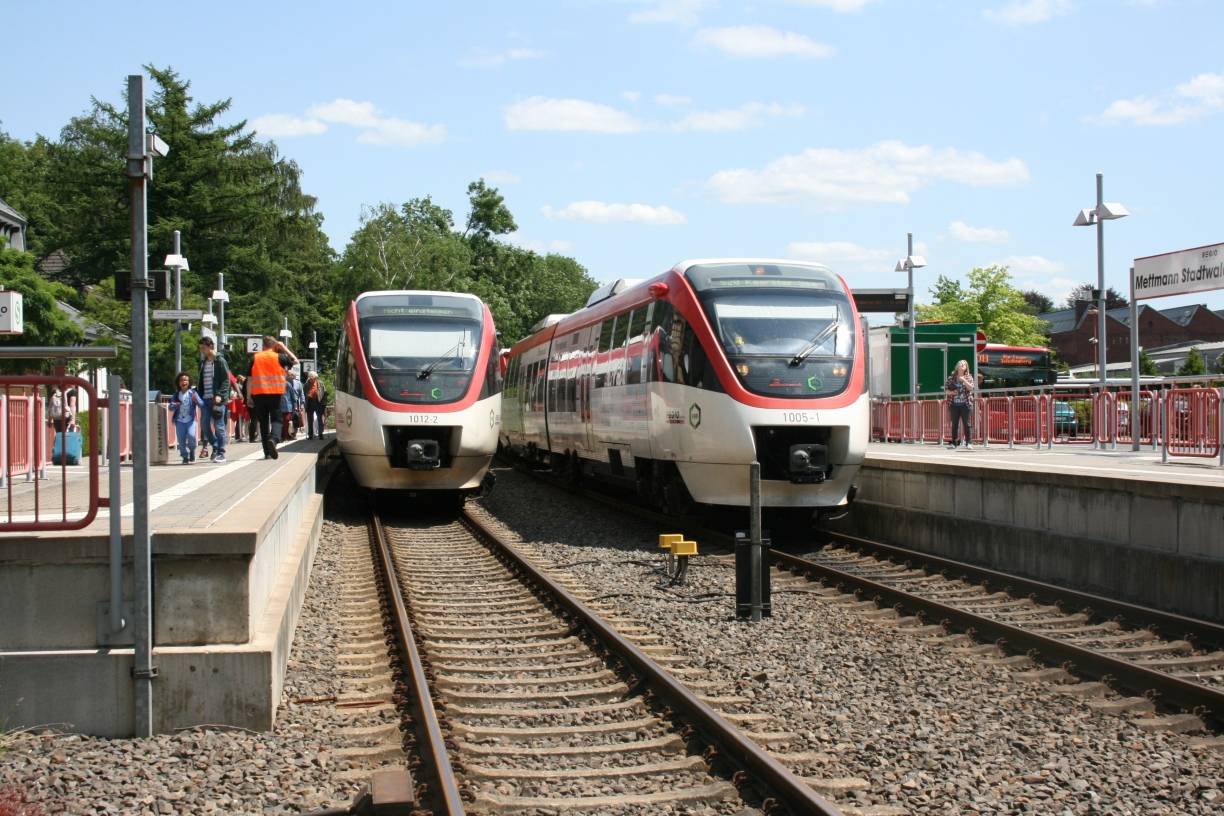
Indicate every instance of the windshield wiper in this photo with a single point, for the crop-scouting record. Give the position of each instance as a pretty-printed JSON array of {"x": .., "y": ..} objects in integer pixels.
[
  {"x": 429, "y": 368},
  {"x": 820, "y": 337}
]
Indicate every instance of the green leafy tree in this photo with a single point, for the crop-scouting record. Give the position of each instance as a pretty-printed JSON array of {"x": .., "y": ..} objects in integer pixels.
[
  {"x": 44, "y": 323},
  {"x": 23, "y": 184},
  {"x": 239, "y": 205},
  {"x": 1147, "y": 366},
  {"x": 1219, "y": 363},
  {"x": 990, "y": 300},
  {"x": 1194, "y": 364}
]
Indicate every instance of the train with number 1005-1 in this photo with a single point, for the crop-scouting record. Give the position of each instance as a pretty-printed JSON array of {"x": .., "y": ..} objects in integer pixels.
[
  {"x": 418, "y": 392},
  {"x": 678, "y": 383}
]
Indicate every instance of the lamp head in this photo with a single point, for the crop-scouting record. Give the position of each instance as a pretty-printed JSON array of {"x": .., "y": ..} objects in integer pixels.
[
  {"x": 1111, "y": 210},
  {"x": 178, "y": 261},
  {"x": 1086, "y": 218}
]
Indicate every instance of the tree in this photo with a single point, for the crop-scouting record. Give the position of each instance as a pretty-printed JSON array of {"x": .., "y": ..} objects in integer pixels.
[
  {"x": 989, "y": 300},
  {"x": 1194, "y": 364},
  {"x": 1147, "y": 366},
  {"x": 1037, "y": 302},
  {"x": 23, "y": 171},
  {"x": 44, "y": 323},
  {"x": 1084, "y": 291},
  {"x": 1219, "y": 363},
  {"x": 238, "y": 203}
]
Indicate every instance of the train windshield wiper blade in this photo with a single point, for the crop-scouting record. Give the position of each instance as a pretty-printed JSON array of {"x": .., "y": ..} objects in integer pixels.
[
  {"x": 815, "y": 342},
  {"x": 429, "y": 368}
]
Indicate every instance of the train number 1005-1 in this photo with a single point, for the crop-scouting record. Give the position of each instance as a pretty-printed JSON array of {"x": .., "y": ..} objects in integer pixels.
[{"x": 800, "y": 417}]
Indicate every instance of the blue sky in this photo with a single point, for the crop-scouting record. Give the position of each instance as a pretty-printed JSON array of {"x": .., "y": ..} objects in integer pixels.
[{"x": 634, "y": 133}]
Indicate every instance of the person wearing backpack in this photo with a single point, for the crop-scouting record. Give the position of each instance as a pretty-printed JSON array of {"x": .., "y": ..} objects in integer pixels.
[{"x": 214, "y": 389}]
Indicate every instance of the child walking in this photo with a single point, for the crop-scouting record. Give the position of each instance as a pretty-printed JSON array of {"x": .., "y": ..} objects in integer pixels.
[{"x": 183, "y": 407}]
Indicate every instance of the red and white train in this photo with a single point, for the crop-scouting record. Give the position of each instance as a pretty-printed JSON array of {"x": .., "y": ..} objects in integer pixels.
[
  {"x": 681, "y": 381},
  {"x": 418, "y": 391}
]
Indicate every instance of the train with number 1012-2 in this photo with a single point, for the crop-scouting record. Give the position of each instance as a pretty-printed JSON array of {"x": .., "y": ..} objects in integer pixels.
[
  {"x": 418, "y": 392},
  {"x": 677, "y": 383}
]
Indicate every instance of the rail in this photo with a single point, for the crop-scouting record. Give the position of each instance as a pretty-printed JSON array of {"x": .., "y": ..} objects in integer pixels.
[
  {"x": 730, "y": 742},
  {"x": 447, "y": 787}
]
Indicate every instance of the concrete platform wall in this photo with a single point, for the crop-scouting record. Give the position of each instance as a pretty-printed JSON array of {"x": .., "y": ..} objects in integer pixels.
[
  {"x": 226, "y": 598},
  {"x": 1148, "y": 542}
]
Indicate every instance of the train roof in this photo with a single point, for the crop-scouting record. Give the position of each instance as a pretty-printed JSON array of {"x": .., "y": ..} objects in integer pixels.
[{"x": 387, "y": 292}]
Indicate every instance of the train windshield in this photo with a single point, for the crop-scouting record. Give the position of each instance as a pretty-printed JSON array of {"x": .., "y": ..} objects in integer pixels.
[
  {"x": 788, "y": 331},
  {"x": 423, "y": 353}
]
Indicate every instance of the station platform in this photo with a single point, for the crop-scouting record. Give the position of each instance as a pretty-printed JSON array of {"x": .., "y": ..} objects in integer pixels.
[
  {"x": 1116, "y": 522},
  {"x": 232, "y": 547}
]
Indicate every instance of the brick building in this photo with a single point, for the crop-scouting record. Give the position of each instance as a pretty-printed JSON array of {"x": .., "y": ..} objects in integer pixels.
[{"x": 1073, "y": 331}]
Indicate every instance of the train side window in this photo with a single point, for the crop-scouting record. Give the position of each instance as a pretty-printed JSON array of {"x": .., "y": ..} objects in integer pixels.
[
  {"x": 635, "y": 346},
  {"x": 696, "y": 364},
  {"x": 606, "y": 330}
]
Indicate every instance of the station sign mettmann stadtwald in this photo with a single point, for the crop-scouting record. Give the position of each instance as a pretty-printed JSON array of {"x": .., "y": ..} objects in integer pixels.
[{"x": 1178, "y": 273}]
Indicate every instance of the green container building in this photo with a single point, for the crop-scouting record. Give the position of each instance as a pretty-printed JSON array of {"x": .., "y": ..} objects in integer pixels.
[{"x": 940, "y": 346}]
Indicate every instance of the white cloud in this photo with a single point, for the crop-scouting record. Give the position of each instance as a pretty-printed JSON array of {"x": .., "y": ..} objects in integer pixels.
[
  {"x": 541, "y": 113},
  {"x": 374, "y": 128},
  {"x": 496, "y": 59},
  {"x": 541, "y": 247},
  {"x": 884, "y": 173},
  {"x": 347, "y": 111},
  {"x": 1040, "y": 273},
  {"x": 283, "y": 124},
  {"x": 752, "y": 114},
  {"x": 761, "y": 42},
  {"x": 670, "y": 11},
  {"x": 841, "y": 6},
  {"x": 400, "y": 133},
  {"x": 600, "y": 212},
  {"x": 501, "y": 177},
  {"x": 847, "y": 256},
  {"x": 672, "y": 100},
  {"x": 1201, "y": 96},
  {"x": 1028, "y": 12},
  {"x": 987, "y": 235}
]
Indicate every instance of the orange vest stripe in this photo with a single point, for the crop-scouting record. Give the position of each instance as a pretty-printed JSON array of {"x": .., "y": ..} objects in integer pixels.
[{"x": 267, "y": 376}]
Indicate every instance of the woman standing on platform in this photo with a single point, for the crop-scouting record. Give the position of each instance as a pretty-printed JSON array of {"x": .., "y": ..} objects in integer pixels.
[{"x": 959, "y": 389}]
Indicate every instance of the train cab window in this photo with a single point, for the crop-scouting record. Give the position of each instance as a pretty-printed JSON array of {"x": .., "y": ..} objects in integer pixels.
[{"x": 341, "y": 382}]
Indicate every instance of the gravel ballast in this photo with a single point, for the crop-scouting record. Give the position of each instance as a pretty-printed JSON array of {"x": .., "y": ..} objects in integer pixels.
[
  {"x": 929, "y": 729},
  {"x": 288, "y": 770}
]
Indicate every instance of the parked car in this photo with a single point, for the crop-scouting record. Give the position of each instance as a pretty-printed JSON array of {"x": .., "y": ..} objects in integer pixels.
[{"x": 1065, "y": 421}]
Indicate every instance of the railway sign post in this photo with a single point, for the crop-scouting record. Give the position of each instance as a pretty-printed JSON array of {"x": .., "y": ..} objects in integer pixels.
[
  {"x": 178, "y": 314},
  {"x": 12, "y": 319},
  {"x": 1199, "y": 269}
]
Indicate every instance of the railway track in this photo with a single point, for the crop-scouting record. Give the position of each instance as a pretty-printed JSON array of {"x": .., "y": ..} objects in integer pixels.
[
  {"x": 522, "y": 699},
  {"x": 1155, "y": 659}
]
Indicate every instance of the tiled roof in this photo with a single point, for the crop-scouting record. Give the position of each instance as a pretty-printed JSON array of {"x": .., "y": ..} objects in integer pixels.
[
  {"x": 7, "y": 213},
  {"x": 1182, "y": 315},
  {"x": 1061, "y": 321}
]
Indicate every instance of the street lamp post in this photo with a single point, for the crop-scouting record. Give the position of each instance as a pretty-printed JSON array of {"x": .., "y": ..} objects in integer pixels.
[
  {"x": 1098, "y": 216},
  {"x": 908, "y": 264},
  {"x": 178, "y": 263},
  {"x": 314, "y": 346},
  {"x": 221, "y": 297}
]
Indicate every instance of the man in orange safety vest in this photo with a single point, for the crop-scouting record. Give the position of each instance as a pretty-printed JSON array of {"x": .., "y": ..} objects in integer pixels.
[{"x": 266, "y": 385}]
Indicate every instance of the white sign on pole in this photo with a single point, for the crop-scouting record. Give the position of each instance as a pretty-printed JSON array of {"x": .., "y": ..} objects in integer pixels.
[
  {"x": 207, "y": 332},
  {"x": 307, "y": 367},
  {"x": 1178, "y": 273},
  {"x": 178, "y": 314},
  {"x": 12, "y": 318},
  {"x": 254, "y": 345}
]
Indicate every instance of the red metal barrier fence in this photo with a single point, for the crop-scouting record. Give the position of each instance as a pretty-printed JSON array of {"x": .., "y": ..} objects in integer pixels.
[
  {"x": 1182, "y": 421},
  {"x": 27, "y": 447}
]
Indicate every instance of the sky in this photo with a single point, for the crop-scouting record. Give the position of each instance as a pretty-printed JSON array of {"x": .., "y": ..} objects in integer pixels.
[{"x": 632, "y": 134}]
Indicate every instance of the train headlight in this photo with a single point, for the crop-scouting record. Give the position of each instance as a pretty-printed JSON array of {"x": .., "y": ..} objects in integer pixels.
[
  {"x": 839, "y": 370},
  {"x": 743, "y": 369}
]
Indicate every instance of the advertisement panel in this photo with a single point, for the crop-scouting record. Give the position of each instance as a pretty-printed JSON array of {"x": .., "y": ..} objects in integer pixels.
[{"x": 1178, "y": 273}]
